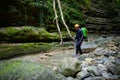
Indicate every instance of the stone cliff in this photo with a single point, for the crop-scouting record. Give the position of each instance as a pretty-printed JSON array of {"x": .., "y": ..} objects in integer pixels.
[{"x": 103, "y": 17}]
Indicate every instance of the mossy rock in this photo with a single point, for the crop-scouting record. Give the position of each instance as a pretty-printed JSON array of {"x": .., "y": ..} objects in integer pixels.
[
  {"x": 23, "y": 49},
  {"x": 25, "y": 70},
  {"x": 31, "y": 34},
  {"x": 69, "y": 67},
  {"x": 46, "y": 36},
  {"x": 27, "y": 34}
]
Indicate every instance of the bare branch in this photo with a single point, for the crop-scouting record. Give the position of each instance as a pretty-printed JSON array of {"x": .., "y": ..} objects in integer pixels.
[
  {"x": 56, "y": 19},
  {"x": 62, "y": 17}
]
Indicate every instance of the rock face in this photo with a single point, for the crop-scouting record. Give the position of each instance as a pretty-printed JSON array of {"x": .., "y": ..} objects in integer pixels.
[
  {"x": 103, "y": 17},
  {"x": 13, "y": 13},
  {"x": 24, "y": 70}
]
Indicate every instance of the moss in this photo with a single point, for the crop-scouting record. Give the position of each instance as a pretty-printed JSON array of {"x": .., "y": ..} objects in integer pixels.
[
  {"x": 25, "y": 70},
  {"x": 27, "y": 34},
  {"x": 47, "y": 36},
  {"x": 11, "y": 31},
  {"x": 22, "y": 49},
  {"x": 69, "y": 73},
  {"x": 66, "y": 36},
  {"x": 31, "y": 34}
]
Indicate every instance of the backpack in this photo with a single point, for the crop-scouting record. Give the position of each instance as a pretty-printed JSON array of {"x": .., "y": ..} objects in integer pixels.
[{"x": 85, "y": 32}]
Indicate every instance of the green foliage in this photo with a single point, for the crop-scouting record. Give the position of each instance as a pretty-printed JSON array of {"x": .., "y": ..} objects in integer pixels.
[
  {"x": 40, "y": 12},
  {"x": 118, "y": 3},
  {"x": 74, "y": 12}
]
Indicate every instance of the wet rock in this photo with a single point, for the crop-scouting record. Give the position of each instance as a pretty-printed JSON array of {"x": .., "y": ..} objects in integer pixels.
[
  {"x": 104, "y": 71},
  {"x": 109, "y": 76},
  {"x": 114, "y": 68},
  {"x": 104, "y": 36},
  {"x": 69, "y": 67},
  {"x": 84, "y": 56},
  {"x": 104, "y": 59},
  {"x": 49, "y": 54},
  {"x": 93, "y": 70},
  {"x": 54, "y": 68},
  {"x": 118, "y": 56},
  {"x": 84, "y": 65},
  {"x": 25, "y": 70},
  {"x": 90, "y": 61},
  {"x": 83, "y": 74},
  {"x": 99, "y": 61},
  {"x": 112, "y": 46},
  {"x": 110, "y": 53},
  {"x": 102, "y": 67},
  {"x": 116, "y": 61},
  {"x": 43, "y": 57},
  {"x": 71, "y": 78},
  {"x": 95, "y": 78},
  {"x": 98, "y": 52}
]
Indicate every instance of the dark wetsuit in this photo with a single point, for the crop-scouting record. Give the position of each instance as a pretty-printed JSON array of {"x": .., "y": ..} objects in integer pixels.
[{"x": 79, "y": 40}]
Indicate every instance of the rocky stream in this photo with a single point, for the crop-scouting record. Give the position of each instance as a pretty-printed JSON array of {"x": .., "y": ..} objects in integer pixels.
[{"x": 100, "y": 61}]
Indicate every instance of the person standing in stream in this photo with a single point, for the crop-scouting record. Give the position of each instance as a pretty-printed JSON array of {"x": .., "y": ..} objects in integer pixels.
[{"x": 78, "y": 39}]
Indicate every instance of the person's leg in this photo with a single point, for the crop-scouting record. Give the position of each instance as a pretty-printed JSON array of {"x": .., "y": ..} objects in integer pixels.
[
  {"x": 80, "y": 50},
  {"x": 77, "y": 50},
  {"x": 77, "y": 47}
]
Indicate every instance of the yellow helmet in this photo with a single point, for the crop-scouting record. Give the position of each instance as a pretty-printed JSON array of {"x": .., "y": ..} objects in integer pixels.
[{"x": 77, "y": 26}]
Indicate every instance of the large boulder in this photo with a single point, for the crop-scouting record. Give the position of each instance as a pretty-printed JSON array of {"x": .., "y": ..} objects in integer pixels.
[
  {"x": 25, "y": 70},
  {"x": 69, "y": 67},
  {"x": 27, "y": 34}
]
